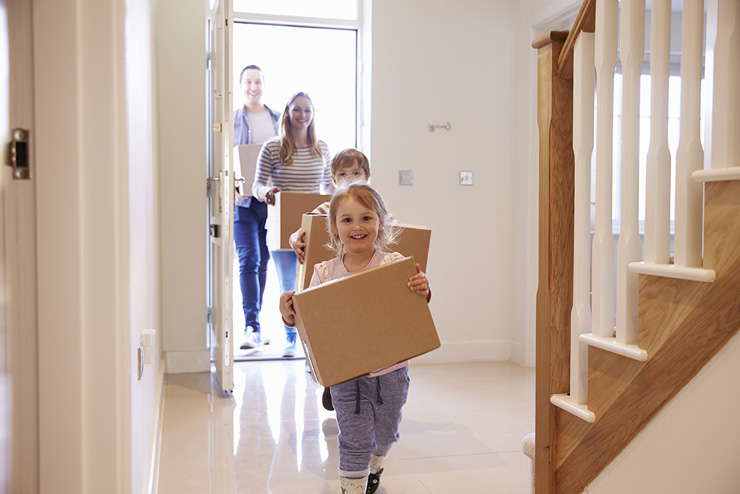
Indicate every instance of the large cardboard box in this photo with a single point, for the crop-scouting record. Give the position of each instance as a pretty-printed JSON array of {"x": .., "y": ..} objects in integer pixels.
[
  {"x": 245, "y": 165},
  {"x": 413, "y": 241},
  {"x": 284, "y": 217},
  {"x": 317, "y": 248},
  {"x": 364, "y": 322}
]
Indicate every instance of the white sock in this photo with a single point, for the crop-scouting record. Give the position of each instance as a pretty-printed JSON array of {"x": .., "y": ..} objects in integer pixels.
[{"x": 375, "y": 463}]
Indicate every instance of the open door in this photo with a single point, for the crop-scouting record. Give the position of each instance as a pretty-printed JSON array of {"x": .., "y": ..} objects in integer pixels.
[{"x": 221, "y": 193}]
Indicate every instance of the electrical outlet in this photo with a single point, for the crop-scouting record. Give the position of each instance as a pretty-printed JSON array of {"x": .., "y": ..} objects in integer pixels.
[
  {"x": 466, "y": 178},
  {"x": 406, "y": 177}
]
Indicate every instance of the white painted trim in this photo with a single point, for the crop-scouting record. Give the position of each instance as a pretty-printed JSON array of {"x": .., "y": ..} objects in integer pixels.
[
  {"x": 613, "y": 346},
  {"x": 673, "y": 271},
  {"x": 285, "y": 20},
  {"x": 717, "y": 174},
  {"x": 564, "y": 402},
  {"x": 184, "y": 362},
  {"x": 19, "y": 325},
  {"x": 155, "y": 448},
  {"x": 469, "y": 351}
]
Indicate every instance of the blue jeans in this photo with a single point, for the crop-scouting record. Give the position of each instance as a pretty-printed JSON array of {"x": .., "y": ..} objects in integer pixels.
[
  {"x": 250, "y": 237},
  {"x": 285, "y": 264}
]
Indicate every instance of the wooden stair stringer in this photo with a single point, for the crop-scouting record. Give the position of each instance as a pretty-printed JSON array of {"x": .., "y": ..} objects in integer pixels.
[{"x": 683, "y": 324}]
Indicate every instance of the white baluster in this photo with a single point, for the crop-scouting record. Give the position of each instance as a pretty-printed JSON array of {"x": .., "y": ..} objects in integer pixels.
[
  {"x": 603, "y": 243},
  {"x": 658, "y": 181},
  {"x": 628, "y": 247},
  {"x": 583, "y": 145},
  {"x": 726, "y": 112},
  {"x": 690, "y": 154}
]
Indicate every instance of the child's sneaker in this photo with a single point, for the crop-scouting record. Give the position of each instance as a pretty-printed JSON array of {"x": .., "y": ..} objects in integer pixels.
[
  {"x": 352, "y": 486},
  {"x": 326, "y": 400},
  {"x": 373, "y": 482}
]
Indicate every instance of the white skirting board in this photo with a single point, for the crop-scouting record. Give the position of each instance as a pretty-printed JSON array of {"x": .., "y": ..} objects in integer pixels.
[
  {"x": 471, "y": 351},
  {"x": 152, "y": 472},
  {"x": 188, "y": 362}
]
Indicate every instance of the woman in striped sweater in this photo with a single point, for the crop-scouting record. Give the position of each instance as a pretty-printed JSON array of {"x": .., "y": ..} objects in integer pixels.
[{"x": 295, "y": 161}]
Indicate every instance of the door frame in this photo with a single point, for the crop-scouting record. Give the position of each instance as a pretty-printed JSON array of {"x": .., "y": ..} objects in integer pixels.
[{"x": 19, "y": 253}]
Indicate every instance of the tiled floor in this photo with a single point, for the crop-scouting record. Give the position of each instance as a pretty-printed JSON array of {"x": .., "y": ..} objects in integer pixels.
[{"x": 462, "y": 431}]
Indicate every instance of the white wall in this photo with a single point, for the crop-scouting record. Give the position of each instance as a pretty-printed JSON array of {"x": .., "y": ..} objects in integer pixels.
[
  {"x": 98, "y": 254},
  {"x": 458, "y": 62},
  {"x": 144, "y": 241},
  {"x": 692, "y": 445},
  {"x": 435, "y": 63},
  {"x": 83, "y": 247},
  {"x": 181, "y": 58}
]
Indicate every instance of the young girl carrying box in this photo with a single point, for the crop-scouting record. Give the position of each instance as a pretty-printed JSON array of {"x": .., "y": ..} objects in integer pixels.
[{"x": 369, "y": 409}]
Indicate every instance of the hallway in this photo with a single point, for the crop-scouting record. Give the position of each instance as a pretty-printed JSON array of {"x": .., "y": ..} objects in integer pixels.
[{"x": 462, "y": 431}]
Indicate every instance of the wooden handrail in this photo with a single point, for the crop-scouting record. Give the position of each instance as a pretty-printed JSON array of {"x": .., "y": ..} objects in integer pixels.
[{"x": 585, "y": 22}]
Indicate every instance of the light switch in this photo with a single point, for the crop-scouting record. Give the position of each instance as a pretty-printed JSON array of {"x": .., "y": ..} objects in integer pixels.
[
  {"x": 406, "y": 177},
  {"x": 466, "y": 178}
]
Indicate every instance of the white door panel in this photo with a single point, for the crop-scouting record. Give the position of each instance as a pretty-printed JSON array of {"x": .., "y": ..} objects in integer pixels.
[{"x": 221, "y": 195}]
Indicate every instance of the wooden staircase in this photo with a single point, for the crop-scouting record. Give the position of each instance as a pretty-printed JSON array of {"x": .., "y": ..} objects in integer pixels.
[{"x": 682, "y": 324}]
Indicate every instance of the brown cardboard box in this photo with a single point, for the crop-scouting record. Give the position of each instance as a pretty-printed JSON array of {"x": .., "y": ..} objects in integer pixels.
[
  {"x": 364, "y": 322},
  {"x": 285, "y": 216},
  {"x": 317, "y": 250},
  {"x": 413, "y": 241},
  {"x": 245, "y": 165}
]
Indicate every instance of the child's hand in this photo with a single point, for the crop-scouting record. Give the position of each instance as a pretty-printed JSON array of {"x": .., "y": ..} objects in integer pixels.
[
  {"x": 286, "y": 308},
  {"x": 420, "y": 284},
  {"x": 298, "y": 242}
]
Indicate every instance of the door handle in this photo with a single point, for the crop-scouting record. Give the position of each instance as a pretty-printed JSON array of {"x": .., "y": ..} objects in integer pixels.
[{"x": 211, "y": 180}]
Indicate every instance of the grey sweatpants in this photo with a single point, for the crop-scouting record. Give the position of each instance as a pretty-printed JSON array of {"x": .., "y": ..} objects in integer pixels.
[{"x": 368, "y": 414}]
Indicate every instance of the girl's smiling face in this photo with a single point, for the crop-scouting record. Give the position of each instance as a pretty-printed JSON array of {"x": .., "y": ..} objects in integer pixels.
[{"x": 357, "y": 226}]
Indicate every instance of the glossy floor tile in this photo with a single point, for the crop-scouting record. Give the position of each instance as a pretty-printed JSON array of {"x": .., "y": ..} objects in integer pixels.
[{"x": 462, "y": 431}]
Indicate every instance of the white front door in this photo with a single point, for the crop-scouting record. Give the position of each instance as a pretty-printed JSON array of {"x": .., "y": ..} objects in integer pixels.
[
  {"x": 221, "y": 194},
  {"x": 18, "y": 320}
]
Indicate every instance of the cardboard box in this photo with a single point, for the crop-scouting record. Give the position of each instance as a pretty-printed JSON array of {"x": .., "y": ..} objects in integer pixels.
[
  {"x": 285, "y": 216},
  {"x": 245, "y": 165},
  {"x": 413, "y": 241},
  {"x": 317, "y": 249},
  {"x": 364, "y": 322}
]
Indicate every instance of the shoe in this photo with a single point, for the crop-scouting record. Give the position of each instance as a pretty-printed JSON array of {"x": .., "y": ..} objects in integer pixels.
[
  {"x": 352, "y": 486},
  {"x": 253, "y": 339},
  {"x": 373, "y": 482},
  {"x": 326, "y": 400},
  {"x": 289, "y": 349}
]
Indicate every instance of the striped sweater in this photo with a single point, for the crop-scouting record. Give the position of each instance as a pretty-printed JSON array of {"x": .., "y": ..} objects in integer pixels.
[{"x": 307, "y": 174}]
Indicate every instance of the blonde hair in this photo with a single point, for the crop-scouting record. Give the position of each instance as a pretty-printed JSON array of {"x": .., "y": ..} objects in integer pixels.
[
  {"x": 368, "y": 197},
  {"x": 348, "y": 156},
  {"x": 287, "y": 145}
]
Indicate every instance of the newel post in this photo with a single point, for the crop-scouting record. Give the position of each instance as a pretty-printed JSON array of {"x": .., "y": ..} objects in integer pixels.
[{"x": 555, "y": 280}]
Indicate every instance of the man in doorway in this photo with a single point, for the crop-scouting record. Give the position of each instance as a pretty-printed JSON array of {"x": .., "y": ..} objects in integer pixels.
[{"x": 254, "y": 123}]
